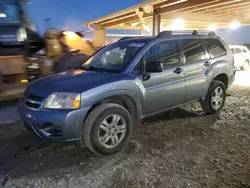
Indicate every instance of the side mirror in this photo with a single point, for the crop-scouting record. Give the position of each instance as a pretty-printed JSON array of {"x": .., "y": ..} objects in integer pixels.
[{"x": 154, "y": 66}]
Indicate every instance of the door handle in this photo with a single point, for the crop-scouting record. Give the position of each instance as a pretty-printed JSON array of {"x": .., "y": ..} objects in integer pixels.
[
  {"x": 178, "y": 70},
  {"x": 207, "y": 64}
]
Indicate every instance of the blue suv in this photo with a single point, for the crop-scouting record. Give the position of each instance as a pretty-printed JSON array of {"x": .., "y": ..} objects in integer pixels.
[{"x": 105, "y": 99}]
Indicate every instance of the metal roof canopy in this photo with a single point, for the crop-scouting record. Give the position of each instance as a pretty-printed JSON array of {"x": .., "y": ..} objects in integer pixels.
[{"x": 198, "y": 14}]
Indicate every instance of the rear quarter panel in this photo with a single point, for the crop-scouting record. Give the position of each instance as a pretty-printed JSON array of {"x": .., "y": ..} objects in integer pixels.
[{"x": 221, "y": 65}]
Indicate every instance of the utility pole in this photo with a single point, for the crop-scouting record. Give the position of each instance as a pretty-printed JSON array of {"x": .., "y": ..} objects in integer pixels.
[{"x": 48, "y": 23}]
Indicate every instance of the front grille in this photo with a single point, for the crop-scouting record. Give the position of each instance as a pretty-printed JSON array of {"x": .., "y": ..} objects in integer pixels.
[
  {"x": 35, "y": 97},
  {"x": 33, "y": 101}
]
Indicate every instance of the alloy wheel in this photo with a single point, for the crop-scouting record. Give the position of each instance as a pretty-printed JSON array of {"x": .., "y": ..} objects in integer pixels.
[
  {"x": 217, "y": 98},
  {"x": 112, "y": 131}
]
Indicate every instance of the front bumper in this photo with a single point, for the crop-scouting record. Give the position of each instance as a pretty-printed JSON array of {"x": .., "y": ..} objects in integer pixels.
[{"x": 54, "y": 125}]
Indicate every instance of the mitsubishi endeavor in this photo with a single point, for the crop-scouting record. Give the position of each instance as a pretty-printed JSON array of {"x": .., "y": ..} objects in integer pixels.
[{"x": 104, "y": 100}]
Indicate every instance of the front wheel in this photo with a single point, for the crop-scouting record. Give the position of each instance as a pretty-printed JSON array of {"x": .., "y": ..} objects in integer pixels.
[
  {"x": 215, "y": 98},
  {"x": 107, "y": 129}
]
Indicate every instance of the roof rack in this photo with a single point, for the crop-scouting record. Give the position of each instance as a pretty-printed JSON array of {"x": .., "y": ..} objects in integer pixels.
[
  {"x": 125, "y": 38},
  {"x": 185, "y": 32}
]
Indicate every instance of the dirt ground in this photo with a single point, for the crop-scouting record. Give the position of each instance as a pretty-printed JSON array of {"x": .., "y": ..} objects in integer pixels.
[{"x": 181, "y": 148}]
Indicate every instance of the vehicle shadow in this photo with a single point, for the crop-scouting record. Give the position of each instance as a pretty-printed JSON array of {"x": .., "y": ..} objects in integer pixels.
[{"x": 178, "y": 113}]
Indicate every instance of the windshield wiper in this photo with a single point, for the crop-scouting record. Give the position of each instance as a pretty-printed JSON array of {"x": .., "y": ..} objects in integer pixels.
[{"x": 89, "y": 68}]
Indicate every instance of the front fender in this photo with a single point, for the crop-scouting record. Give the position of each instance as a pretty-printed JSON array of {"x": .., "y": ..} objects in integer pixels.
[{"x": 118, "y": 93}]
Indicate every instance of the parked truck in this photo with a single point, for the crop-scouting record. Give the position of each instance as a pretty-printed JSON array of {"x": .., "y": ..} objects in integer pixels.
[{"x": 18, "y": 40}]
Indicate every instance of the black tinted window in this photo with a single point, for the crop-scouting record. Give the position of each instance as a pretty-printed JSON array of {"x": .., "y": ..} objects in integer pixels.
[
  {"x": 166, "y": 52},
  {"x": 215, "y": 47},
  {"x": 193, "y": 50}
]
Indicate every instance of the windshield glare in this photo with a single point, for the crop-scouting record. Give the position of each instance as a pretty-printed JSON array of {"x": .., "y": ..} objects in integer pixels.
[
  {"x": 115, "y": 57},
  {"x": 9, "y": 12}
]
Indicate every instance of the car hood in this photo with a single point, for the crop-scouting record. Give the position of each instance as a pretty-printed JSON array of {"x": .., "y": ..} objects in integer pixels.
[{"x": 75, "y": 81}]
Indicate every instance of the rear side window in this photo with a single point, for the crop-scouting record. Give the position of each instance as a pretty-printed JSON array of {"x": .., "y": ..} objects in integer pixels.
[
  {"x": 193, "y": 50},
  {"x": 238, "y": 50},
  {"x": 215, "y": 47}
]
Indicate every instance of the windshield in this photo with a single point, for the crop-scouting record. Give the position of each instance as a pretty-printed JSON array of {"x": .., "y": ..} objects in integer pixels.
[
  {"x": 9, "y": 12},
  {"x": 115, "y": 57}
]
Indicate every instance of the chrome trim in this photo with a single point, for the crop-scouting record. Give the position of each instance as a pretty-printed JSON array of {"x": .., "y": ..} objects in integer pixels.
[
  {"x": 40, "y": 103},
  {"x": 34, "y": 101}
]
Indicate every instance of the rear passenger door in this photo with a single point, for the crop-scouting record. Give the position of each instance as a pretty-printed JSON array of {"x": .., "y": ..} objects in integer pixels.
[{"x": 196, "y": 64}]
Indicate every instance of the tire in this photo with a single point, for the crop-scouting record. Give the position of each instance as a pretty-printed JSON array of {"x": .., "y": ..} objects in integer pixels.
[
  {"x": 245, "y": 66},
  {"x": 92, "y": 128},
  {"x": 207, "y": 104}
]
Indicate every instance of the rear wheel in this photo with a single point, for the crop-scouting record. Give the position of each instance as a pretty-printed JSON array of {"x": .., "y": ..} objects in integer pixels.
[
  {"x": 245, "y": 66},
  {"x": 107, "y": 129},
  {"x": 215, "y": 98}
]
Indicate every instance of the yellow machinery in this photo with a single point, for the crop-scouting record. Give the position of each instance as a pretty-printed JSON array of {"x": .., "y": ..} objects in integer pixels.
[{"x": 64, "y": 50}]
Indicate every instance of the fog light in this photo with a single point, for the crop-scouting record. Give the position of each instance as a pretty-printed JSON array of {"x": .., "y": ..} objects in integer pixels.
[{"x": 24, "y": 81}]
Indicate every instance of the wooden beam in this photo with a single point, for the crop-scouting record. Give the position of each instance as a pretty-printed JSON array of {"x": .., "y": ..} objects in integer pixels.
[
  {"x": 125, "y": 20},
  {"x": 168, "y": 3},
  {"x": 221, "y": 5},
  {"x": 202, "y": 18},
  {"x": 133, "y": 18},
  {"x": 228, "y": 10},
  {"x": 125, "y": 27},
  {"x": 183, "y": 6},
  {"x": 116, "y": 18}
]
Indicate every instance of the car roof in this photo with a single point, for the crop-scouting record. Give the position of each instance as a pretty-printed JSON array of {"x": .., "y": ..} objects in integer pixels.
[
  {"x": 173, "y": 37},
  {"x": 138, "y": 39},
  {"x": 237, "y": 46}
]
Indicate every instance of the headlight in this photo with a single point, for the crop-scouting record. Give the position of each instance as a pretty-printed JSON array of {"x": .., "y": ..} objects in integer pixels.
[
  {"x": 63, "y": 101},
  {"x": 21, "y": 34}
]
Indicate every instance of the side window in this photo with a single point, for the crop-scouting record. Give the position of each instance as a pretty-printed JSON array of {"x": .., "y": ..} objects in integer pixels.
[
  {"x": 138, "y": 67},
  {"x": 166, "y": 52},
  {"x": 238, "y": 51},
  {"x": 216, "y": 48},
  {"x": 245, "y": 51},
  {"x": 193, "y": 50}
]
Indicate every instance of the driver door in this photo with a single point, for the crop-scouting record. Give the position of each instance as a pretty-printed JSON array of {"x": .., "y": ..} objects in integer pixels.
[{"x": 166, "y": 89}]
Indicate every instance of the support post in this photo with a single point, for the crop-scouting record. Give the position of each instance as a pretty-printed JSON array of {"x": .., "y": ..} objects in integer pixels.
[
  {"x": 99, "y": 39},
  {"x": 156, "y": 24}
]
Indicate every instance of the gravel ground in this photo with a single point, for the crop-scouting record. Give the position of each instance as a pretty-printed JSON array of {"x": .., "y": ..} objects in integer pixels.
[
  {"x": 181, "y": 148},
  {"x": 11, "y": 95}
]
